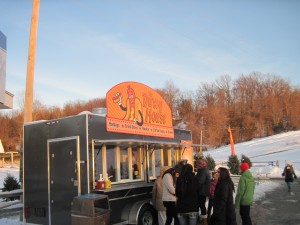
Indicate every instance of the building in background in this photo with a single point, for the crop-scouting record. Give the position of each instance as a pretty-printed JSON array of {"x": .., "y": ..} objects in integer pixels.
[{"x": 6, "y": 98}]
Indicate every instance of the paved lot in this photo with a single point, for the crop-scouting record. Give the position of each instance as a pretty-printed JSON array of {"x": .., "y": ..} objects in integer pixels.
[{"x": 278, "y": 207}]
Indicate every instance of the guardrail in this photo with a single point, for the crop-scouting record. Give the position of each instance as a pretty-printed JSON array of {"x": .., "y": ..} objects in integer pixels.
[
  {"x": 265, "y": 163},
  {"x": 10, "y": 207},
  {"x": 11, "y": 194}
]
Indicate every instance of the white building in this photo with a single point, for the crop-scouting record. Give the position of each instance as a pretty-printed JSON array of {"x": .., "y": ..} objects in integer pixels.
[{"x": 6, "y": 98}]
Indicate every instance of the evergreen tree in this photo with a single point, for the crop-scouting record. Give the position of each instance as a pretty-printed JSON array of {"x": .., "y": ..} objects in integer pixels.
[
  {"x": 233, "y": 164},
  {"x": 211, "y": 164},
  {"x": 11, "y": 183}
]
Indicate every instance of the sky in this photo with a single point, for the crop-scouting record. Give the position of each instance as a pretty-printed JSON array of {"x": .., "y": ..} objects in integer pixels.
[
  {"x": 86, "y": 47},
  {"x": 282, "y": 147}
]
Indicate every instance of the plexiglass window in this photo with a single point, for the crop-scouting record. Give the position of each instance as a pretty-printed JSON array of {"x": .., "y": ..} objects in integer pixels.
[
  {"x": 98, "y": 165},
  {"x": 111, "y": 162},
  {"x": 158, "y": 162},
  {"x": 136, "y": 163},
  {"x": 124, "y": 163}
]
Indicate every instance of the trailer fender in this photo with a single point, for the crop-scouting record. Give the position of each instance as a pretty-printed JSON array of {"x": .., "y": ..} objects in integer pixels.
[{"x": 139, "y": 208}]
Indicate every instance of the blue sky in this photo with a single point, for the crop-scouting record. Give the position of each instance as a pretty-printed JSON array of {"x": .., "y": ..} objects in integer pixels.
[{"x": 86, "y": 47}]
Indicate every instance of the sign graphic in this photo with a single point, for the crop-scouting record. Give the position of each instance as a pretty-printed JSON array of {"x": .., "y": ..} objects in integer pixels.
[{"x": 135, "y": 108}]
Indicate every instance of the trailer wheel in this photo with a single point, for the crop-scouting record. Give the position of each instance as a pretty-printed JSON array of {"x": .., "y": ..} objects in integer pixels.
[{"x": 147, "y": 216}]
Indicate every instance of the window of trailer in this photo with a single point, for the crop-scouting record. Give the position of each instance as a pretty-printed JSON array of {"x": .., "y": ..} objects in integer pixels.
[
  {"x": 125, "y": 163},
  {"x": 120, "y": 163}
]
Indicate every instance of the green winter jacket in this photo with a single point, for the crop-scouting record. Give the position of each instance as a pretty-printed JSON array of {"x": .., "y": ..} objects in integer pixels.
[{"x": 245, "y": 191}]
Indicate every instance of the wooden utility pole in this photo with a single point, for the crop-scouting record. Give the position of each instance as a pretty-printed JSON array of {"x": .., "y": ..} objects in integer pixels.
[{"x": 31, "y": 61}]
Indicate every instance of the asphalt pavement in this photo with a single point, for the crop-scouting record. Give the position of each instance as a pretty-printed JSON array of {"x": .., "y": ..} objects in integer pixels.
[{"x": 278, "y": 207}]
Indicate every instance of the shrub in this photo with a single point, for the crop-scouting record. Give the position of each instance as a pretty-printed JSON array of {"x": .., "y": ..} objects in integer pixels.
[
  {"x": 10, "y": 183},
  {"x": 233, "y": 164}
]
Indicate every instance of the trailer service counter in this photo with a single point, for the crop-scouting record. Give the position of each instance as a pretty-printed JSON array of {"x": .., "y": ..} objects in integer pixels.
[{"x": 63, "y": 160}]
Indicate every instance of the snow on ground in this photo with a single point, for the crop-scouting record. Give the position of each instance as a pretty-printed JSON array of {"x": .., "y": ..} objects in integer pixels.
[
  {"x": 263, "y": 187},
  {"x": 14, "y": 220},
  {"x": 282, "y": 147}
]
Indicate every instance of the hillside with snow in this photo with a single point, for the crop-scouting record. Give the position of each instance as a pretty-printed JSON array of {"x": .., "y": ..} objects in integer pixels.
[{"x": 263, "y": 152}]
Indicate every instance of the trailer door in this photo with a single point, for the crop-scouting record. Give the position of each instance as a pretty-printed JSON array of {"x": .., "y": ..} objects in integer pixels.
[{"x": 63, "y": 178}]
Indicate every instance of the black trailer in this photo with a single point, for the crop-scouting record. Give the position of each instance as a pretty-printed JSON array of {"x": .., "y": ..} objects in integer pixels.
[{"x": 63, "y": 159}]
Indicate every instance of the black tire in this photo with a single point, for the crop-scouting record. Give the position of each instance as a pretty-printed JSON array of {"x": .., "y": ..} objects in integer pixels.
[{"x": 147, "y": 216}]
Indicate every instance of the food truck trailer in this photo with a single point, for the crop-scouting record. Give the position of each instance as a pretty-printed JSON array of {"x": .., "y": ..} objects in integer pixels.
[{"x": 100, "y": 169}]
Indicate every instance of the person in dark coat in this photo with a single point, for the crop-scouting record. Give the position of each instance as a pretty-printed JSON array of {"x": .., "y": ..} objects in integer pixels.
[
  {"x": 288, "y": 174},
  {"x": 187, "y": 196},
  {"x": 224, "y": 209},
  {"x": 204, "y": 179},
  {"x": 213, "y": 184}
]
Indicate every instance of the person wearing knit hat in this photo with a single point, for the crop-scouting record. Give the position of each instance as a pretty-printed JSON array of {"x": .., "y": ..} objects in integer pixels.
[
  {"x": 288, "y": 174},
  {"x": 244, "y": 166},
  {"x": 245, "y": 193},
  {"x": 204, "y": 178}
]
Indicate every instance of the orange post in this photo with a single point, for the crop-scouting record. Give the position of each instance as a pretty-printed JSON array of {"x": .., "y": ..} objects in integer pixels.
[{"x": 231, "y": 141}]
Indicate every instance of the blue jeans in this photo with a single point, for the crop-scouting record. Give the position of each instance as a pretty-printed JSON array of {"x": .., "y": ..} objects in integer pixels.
[
  {"x": 188, "y": 218},
  {"x": 289, "y": 185}
]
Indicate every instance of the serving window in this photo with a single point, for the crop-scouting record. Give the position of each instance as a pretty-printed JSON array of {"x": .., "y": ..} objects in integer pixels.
[{"x": 127, "y": 163}]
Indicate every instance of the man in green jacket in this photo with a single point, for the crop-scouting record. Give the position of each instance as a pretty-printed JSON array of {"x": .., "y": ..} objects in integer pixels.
[{"x": 245, "y": 192}]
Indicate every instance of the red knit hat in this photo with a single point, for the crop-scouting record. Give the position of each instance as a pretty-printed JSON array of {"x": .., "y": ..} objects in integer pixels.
[{"x": 244, "y": 166}]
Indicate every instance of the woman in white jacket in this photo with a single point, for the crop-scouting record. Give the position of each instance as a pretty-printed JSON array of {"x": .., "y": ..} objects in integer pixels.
[
  {"x": 168, "y": 196},
  {"x": 157, "y": 197}
]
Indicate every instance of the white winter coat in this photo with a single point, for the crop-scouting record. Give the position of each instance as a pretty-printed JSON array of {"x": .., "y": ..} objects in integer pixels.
[{"x": 168, "y": 194}]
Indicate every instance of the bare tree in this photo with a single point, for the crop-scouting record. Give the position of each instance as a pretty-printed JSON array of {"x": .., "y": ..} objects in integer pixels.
[{"x": 206, "y": 95}]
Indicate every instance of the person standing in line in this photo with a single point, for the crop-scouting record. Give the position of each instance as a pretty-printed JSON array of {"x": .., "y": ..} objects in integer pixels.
[
  {"x": 203, "y": 177},
  {"x": 245, "y": 193},
  {"x": 157, "y": 197},
  {"x": 288, "y": 174},
  {"x": 187, "y": 196},
  {"x": 213, "y": 184},
  {"x": 224, "y": 211},
  {"x": 169, "y": 195}
]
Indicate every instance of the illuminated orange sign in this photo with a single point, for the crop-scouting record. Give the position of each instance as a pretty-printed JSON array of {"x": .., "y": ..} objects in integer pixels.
[{"x": 135, "y": 108}]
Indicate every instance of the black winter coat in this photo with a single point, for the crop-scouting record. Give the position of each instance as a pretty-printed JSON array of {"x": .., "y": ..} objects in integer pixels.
[
  {"x": 204, "y": 179},
  {"x": 289, "y": 172},
  {"x": 224, "y": 210},
  {"x": 187, "y": 194}
]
